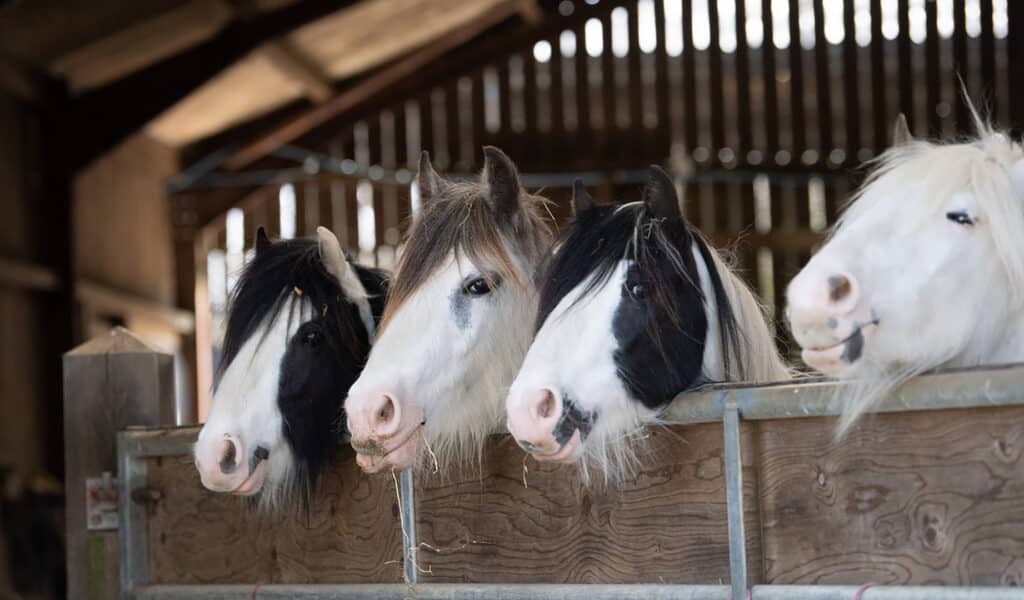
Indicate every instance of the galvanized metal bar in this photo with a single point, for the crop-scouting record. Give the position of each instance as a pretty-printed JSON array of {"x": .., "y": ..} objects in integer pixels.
[
  {"x": 961, "y": 388},
  {"x": 407, "y": 512},
  {"x": 131, "y": 517},
  {"x": 162, "y": 441},
  {"x": 471, "y": 591},
  {"x": 734, "y": 500},
  {"x": 434, "y": 591},
  {"x": 847, "y": 592}
]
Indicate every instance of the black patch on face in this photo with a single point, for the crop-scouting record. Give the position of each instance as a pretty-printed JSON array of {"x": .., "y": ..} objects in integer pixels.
[
  {"x": 661, "y": 333},
  {"x": 322, "y": 359},
  {"x": 853, "y": 348},
  {"x": 573, "y": 419},
  {"x": 458, "y": 305}
]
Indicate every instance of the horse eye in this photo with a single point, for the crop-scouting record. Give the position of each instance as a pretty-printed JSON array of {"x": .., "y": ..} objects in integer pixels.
[
  {"x": 312, "y": 338},
  {"x": 477, "y": 287},
  {"x": 638, "y": 291},
  {"x": 960, "y": 217}
]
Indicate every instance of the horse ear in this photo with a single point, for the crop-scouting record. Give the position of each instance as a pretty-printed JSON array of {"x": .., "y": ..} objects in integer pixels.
[
  {"x": 502, "y": 180},
  {"x": 427, "y": 179},
  {"x": 660, "y": 195},
  {"x": 262, "y": 241},
  {"x": 331, "y": 254},
  {"x": 581, "y": 200},
  {"x": 901, "y": 132}
]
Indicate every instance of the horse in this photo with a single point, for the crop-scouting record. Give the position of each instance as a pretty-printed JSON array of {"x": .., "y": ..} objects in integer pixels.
[
  {"x": 924, "y": 269},
  {"x": 457, "y": 321},
  {"x": 635, "y": 308},
  {"x": 299, "y": 328}
]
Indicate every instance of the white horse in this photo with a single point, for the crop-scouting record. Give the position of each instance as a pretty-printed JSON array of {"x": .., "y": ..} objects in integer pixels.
[
  {"x": 924, "y": 269},
  {"x": 457, "y": 323},
  {"x": 635, "y": 308}
]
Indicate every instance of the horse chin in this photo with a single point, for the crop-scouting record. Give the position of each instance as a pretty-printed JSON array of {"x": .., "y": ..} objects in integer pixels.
[
  {"x": 254, "y": 482},
  {"x": 838, "y": 360},
  {"x": 568, "y": 453},
  {"x": 401, "y": 457}
]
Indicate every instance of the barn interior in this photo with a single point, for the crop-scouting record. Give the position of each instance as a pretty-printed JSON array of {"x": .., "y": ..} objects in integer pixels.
[{"x": 144, "y": 141}]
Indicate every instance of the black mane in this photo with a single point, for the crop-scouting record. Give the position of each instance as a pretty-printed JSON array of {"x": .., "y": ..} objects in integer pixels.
[{"x": 669, "y": 358}]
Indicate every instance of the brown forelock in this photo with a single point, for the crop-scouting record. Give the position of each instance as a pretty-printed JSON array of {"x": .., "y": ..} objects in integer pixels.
[{"x": 459, "y": 220}]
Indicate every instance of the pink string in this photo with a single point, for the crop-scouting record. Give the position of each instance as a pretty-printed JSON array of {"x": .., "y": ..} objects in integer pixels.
[
  {"x": 861, "y": 590},
  {"x": 252, "y": 594}
]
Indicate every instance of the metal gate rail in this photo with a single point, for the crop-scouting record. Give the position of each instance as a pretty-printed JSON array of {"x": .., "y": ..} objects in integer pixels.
[{"x": 988, "y": 387}]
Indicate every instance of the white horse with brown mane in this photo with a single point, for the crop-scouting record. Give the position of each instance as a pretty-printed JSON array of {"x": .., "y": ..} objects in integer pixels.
[{"x": 925, "y": 269}]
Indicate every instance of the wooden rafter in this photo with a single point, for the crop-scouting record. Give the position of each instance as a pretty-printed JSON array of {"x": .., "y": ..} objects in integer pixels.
[
  {"x": 293, "y": 64},
  {"x": 104, "y": 116},
  {"x": 402, "y": 74}
]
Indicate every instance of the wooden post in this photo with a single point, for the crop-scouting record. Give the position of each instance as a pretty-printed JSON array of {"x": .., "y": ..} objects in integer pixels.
[{"x": 111, "y": 382}]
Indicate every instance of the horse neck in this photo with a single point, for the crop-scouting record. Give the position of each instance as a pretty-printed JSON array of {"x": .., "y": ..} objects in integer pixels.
[
  {"x": 758, "y": 355},
  {"x": 993, "y": 348}
]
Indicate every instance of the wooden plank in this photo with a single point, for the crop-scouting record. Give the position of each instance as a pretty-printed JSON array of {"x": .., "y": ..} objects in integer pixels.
[
  {"x": 961, "y": 68},
  {"x": 636, "y": 83},
  {"x": 905, "y": 499},
  {"x": 879, "y": 105},
  {"x": 716, "y": 88},
  {"x": 906, "y": 64},
  {"x": 584, "y": 126},
  {"x": 141, "y": 96},
  {"x": 666, "y": 524},
  {"x": 557, "y": 89},
  {"x": 350, "y": 535},
  {"x": 451, "y": 123},
  {"x": 796, "y": 83},
  {"x": 530, "y": 94},
  {"x": 988, "y": 60},
  {"x": 743, "y": 111},
  {"x": 663, "y": 134},
  {"x": 771, "y": 109},
  {"x": 367, "y": 89},
  {"x": 932, "y": 77},
  {"x": 689, "y": 79},
  {"x": 479, "y": 129},
  {"x": 293, "y": 64},
  {"x": 610, "y": 91},
  {"x": 24, "y": 275},
  {"x": 110, "y": 382},
  {"x": 822, "y": 79},
  {"x": 851, "y": 76},
  {"x": 427, "y": 125}
]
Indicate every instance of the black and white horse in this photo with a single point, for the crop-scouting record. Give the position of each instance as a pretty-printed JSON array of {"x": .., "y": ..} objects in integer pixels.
[
  {"x": 635, "y": 308},
  {"x": 299, "y": 329}
]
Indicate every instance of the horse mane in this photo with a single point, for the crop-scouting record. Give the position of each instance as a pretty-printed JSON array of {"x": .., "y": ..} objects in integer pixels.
[
  {"x": 292, "y": 268},
  {"x": 459, "y": 220}
]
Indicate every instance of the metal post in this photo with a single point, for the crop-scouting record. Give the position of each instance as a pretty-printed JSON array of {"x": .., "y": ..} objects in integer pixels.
[
  {"x": 131, "y": 518},
  {"x": 408, "y": 515},
  {"x": 734, "y": 499}
]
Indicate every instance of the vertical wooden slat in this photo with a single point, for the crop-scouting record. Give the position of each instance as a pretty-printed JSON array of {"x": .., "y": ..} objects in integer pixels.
[
  {"x": 931, "y": 47},
  {"x": 689, "y": 79},
  {"x": 426, "y": 126},
  {"x": 880, "y": 117},
  {"x": 851, "y": 75},
  {"x": 1015, "y": 62},
  {"x": 771, "y": 124},
  {"x": 821, "y": 75},
  {"x": 796, "y": 81},
  {"x": 530, "y": 94},
  {"x": 743, "y": 117},
  {"x": 906, "y": 64},
  {"x": 636, "y": 83},
  {"x": 479, "y": 131},
  {"x": 988, "y": 59},
  {"x": 451, "y": 111},
  {"x": 716, "y": 87},
  {"x": 661, "y": 81},
  {"x": 583, "y": 125},
  {"x": 961, "y": 68},
  {"x": 309, "y": 192},
  {"x": 557, "y": 86},
  {"x": 609, "y": 96},
  {"x": 504, "y": 97},
  {"x": 399, "y": 135}
]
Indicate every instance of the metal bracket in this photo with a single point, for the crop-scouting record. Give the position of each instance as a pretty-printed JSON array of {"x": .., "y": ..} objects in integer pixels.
[{"x": 734, "y": 500}]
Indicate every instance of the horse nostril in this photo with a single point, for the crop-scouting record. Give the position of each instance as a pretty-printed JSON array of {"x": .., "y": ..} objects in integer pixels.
[
  {"x": 228, "y": 461},
  {"x": 839, "y": 287},
  {"x": 387, "y": 411},
  {"x": 547, "y": 405}
]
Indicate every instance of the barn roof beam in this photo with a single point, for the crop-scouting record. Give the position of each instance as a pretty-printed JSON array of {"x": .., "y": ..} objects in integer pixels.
[
  {"x": 295, "y": 65},
  {"x": 415, "y": 71},
  {"x": 100, "y": 118}
]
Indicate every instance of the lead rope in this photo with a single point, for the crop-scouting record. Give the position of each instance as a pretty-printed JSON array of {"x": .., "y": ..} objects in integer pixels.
[
  {"x": 255, "y": 588},
  {"x": 860, "y": 591}
]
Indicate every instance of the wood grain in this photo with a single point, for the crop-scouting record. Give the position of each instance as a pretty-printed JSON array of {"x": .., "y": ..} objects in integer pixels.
[
  {"x": 920, "y": 499},
  {"x": 667, "y": 524},
  {"x": 350, "y": 535}
]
